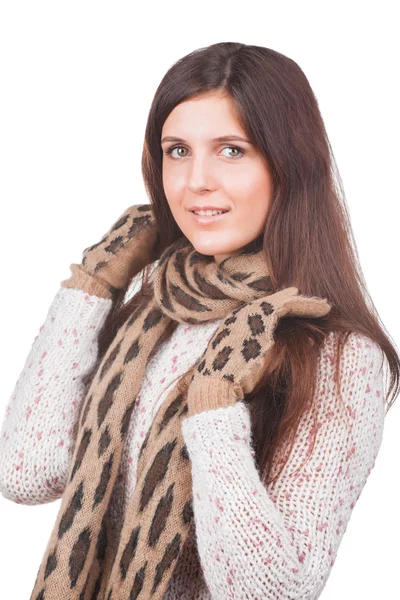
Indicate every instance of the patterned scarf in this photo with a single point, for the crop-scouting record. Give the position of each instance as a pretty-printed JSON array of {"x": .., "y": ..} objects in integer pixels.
[{"x": 85, "y": 558}]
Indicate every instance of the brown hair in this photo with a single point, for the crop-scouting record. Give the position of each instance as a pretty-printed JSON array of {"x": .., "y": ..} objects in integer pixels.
[{"x": 308, "y": 240}]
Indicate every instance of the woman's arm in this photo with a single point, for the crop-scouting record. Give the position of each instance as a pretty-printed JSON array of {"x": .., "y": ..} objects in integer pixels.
[
  {"x": 281, "y": 541},
  {"x": 36, "y": 442}
]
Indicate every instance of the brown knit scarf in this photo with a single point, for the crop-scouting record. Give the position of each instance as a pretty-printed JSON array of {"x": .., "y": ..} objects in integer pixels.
[{"x": 85, "y": 558}]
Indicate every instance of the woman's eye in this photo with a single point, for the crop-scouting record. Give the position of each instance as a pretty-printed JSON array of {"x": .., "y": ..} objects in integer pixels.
[
  {"x": 175, "y": 148},
  {"x": 234, "y": 148}
]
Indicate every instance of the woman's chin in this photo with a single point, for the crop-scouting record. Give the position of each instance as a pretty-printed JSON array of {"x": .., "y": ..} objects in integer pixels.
[
  {"x": 210, "y": 250},
  {"x": 210, "y": 245}
]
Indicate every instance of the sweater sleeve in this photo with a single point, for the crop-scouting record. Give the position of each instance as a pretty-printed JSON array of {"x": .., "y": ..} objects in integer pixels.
[
  {"x": 36, "y": 439},
  {"x": 280, "y": 541}
]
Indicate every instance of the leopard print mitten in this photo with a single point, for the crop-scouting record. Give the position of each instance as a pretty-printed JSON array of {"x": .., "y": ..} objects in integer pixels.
[
  {"x": 128, "y": 246},
  {"x": 231, "y": 370}
]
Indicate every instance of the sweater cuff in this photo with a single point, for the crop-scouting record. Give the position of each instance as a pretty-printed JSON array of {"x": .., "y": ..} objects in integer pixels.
[
  {"x": 217, "y": 429},
  {"x": 208, "y": 393}
]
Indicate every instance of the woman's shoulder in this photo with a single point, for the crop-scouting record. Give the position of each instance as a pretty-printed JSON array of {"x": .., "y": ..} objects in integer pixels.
[
  {"x": 361, "y": 376},
  {"x": 357, "y": 347}
]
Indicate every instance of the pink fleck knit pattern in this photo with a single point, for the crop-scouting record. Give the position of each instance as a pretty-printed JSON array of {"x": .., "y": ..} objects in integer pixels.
[
  {"x": 36, "y": 443},
  {"x": 253, "y": 541}
]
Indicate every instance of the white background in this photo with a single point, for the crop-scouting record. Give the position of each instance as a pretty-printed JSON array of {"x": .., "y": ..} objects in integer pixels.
[{"x": 77, "y": 80}]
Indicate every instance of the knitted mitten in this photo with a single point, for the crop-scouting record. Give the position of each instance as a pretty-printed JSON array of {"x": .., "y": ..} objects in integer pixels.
[
  {"x": 127, "y": 247},
  {"x": 233, "y": 361}
]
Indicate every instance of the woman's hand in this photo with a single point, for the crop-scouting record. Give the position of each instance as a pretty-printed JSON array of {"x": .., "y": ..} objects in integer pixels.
[
  {"x": 121, "y": 253},
  {"x": 233, "y": 362}
]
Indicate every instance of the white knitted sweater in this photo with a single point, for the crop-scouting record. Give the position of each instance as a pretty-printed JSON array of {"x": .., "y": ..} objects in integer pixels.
[{"x": 254, "y": 541}]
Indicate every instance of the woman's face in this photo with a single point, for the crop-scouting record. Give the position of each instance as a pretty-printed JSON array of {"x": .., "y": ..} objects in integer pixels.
[{"x": 226, "y": 174}]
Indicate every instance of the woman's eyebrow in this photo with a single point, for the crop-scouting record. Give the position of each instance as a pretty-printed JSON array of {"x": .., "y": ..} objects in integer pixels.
[{"x": 222, "y": 138}]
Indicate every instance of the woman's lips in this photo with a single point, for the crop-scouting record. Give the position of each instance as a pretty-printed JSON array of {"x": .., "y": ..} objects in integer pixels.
[{"x": 209, "y": 219}]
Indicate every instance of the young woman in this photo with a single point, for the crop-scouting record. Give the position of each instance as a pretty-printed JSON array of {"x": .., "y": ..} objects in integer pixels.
[{"x": 210, "y": 436}]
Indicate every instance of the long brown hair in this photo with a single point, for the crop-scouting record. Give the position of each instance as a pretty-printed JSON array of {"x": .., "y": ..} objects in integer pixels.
[{"x": 308, "y": 240}]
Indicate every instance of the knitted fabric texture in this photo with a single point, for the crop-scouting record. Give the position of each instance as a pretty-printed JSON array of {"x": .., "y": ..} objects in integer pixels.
[
  {"x": 255, "y": 538},
  {"x": 84, "y": 558}
]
